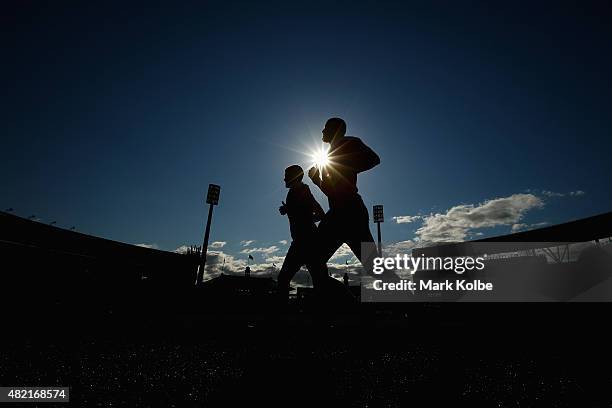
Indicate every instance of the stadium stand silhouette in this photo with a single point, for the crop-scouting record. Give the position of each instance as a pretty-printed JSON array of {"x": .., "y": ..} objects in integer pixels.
[{"x": 55, "y": 266}]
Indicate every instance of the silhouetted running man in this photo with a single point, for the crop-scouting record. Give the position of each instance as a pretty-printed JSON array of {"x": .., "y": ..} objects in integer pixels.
[
  {"x": 303, "y": 211},
  {"x": 347, "y": 220}
]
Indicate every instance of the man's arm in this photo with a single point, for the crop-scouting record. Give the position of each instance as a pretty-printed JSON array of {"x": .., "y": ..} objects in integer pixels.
[
  {"x": 363, "y": 158},
  {"x": 317, "y": 210},
  {"x": 314, "y": 175}
]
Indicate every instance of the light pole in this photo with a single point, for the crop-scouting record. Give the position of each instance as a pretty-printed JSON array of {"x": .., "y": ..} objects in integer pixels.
[
  {"x": 378, "y": 218},
  {"x": 212, "y": 198}
]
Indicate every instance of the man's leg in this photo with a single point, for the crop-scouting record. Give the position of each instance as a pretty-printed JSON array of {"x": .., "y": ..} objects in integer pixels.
[
  {"x": 291, "y": 265},
  {"x": 315, "y": 264},
  {"x": 363, "y": 246},
  {"x": 330, "y": 236},
  {"x": 329, "y": 240},
  {"x": 360, "y": 238}
]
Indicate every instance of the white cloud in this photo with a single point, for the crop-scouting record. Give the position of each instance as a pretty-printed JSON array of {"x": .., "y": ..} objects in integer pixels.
[
  {"x": 217, "y": 244},
  {"x": 405, "y": 219},
  {"x": 182, "y": 249},
  {"x": 267, "y": 251},
  {"x": 524, "y": 227},
  {"x": 278, "y": 260},
  {"x": 401, "y": 247},
  {"x": 283, "y": 242},
  {"x": 519, "y": 227},
  {"x": 575, "y": 193},
  {"x": 215, "y": 264},
  {"x": 150, "y": 246},
  {"x": 457, "y": 222},
  {"x": 343, "y": 252},
  {"x": 548, "y": 193},
  {"x": 354, "y": 270},
  {"x": 246, "y": 243},
  {"x": 235, "y": 266}
]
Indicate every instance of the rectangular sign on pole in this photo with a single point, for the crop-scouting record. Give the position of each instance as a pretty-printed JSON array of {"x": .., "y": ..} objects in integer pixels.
[
  {"x": 378, "y": 218},
  {"x": 213, "y": 194},
  {"x": 378, "y": 214},
  {"x": 212, "y": 198}
]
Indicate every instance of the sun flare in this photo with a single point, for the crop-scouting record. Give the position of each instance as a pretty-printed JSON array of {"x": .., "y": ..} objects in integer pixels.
[{"x": 320, "y": 158}]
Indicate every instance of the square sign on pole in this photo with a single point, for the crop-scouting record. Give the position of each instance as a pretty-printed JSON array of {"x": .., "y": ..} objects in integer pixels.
[
  {"x": 213, "y": 194},
  {"x": 378, "y": 214}
]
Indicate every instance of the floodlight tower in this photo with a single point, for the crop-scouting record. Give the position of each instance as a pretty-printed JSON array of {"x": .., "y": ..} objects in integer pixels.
[
  {"x": 378, "y": 218},
  {"x": 212, "y": 198}
]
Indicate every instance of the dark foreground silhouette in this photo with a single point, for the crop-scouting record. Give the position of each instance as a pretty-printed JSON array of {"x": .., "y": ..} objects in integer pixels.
[
  {"x": 436, "y": 356},
  {"x": 78, "y": 313}
]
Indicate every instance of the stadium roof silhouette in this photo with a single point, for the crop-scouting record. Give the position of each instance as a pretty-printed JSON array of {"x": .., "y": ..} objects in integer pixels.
[{"x": 582, "y": 230}]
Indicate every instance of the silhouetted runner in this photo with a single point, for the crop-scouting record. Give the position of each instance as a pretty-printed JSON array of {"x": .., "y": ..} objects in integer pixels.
[
  {"x": 303, "y": 211},
  {"x": 347, "y": 220}
]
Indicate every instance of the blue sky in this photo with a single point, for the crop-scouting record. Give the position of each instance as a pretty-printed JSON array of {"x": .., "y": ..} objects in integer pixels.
[{"x": 116, "y": 118}]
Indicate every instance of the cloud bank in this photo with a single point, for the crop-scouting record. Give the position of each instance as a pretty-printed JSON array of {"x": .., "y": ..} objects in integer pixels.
[
  {"x": 405, "y": 219},
  {"x": 459, "y": 221}
]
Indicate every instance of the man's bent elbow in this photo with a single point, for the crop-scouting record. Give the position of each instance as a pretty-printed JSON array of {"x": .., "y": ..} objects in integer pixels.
[{"x": 374, "y": 161}]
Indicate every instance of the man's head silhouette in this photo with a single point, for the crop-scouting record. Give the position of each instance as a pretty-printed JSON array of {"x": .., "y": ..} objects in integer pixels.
[
  {"x": 334, "y": 129},
  {"x": 293, "y": 175}
]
